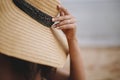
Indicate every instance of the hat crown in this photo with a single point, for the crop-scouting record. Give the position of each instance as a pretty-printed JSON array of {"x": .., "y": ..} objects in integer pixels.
[{"x": 47, "y": 6}]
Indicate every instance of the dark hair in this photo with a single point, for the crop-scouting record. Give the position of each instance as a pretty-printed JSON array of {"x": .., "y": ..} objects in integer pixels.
[{"x": 28, "y": 70}]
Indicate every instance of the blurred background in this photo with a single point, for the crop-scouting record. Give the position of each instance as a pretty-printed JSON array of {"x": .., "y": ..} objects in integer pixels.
[{"x": 98, "y": 32}]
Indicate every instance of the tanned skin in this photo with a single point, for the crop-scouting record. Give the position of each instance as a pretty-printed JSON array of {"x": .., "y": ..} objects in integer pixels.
[{"x": 67, "y": 24}]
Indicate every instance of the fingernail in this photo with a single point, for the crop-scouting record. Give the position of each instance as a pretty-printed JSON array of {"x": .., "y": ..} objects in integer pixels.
[
  {"x": 53, "y": 19},
  {"x": 53, "y": 26},
  {"x": 59, "y": 5}
]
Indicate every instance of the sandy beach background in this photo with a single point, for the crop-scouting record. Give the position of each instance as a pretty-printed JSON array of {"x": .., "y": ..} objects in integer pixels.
[{"x": 98, "y": 31}]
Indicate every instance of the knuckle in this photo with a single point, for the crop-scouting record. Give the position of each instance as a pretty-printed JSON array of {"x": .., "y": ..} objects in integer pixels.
[
  {"x": 63, "y": 17},
  {"x": 60, "y": 18},
  {"x": 66, "y": 17},
  {"x": 68, "y": 21},
  {"x": 62, "y": 23},
  {"x": 56, "y": 18},
  {"x": 70, "y": 16},
  {"x": 66, "y": 9}
]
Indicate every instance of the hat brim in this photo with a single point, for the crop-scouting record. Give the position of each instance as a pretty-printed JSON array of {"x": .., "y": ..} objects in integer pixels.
[{"x": 24, "y": 38}]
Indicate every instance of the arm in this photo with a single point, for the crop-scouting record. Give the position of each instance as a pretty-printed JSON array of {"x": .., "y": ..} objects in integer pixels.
[
  {"x": 68, "y": 26},
  {"x": 76, "y": 65}
]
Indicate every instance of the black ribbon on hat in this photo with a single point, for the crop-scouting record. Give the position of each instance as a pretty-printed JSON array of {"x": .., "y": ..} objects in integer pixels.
[{"x": 33, "y": 12}]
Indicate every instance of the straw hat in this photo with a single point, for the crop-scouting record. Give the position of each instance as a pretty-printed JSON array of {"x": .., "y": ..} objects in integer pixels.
[{"x": 25, "y": 32}]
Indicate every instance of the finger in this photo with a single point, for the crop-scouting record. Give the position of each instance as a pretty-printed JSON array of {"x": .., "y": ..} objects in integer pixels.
[
  {"x": 61, "y": 18},
  {"x": 61, "y": 8},
  {"x": 70, "y": 21},
  {"x": 62, "y": 13}
]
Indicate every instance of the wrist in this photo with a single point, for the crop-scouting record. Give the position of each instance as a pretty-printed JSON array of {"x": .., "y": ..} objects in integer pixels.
[{"x": 72, "y": 39}]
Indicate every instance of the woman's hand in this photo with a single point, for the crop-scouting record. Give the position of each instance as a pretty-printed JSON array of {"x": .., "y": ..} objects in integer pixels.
[{"x": 66, "y": 22}]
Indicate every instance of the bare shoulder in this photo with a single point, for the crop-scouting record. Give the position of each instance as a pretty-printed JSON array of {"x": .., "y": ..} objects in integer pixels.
[{"x": 60, "y": 74}]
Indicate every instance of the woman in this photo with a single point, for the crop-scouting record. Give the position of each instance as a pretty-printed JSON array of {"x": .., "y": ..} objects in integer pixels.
[{"x": 23, "y": 70}]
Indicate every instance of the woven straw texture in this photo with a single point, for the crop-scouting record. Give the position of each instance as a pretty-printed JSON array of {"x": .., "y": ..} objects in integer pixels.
[{"x": 24, "y": 38}]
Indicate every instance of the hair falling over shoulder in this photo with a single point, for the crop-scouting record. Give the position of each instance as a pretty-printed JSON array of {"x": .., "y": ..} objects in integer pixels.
[{"x": 27, "y": 70}]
